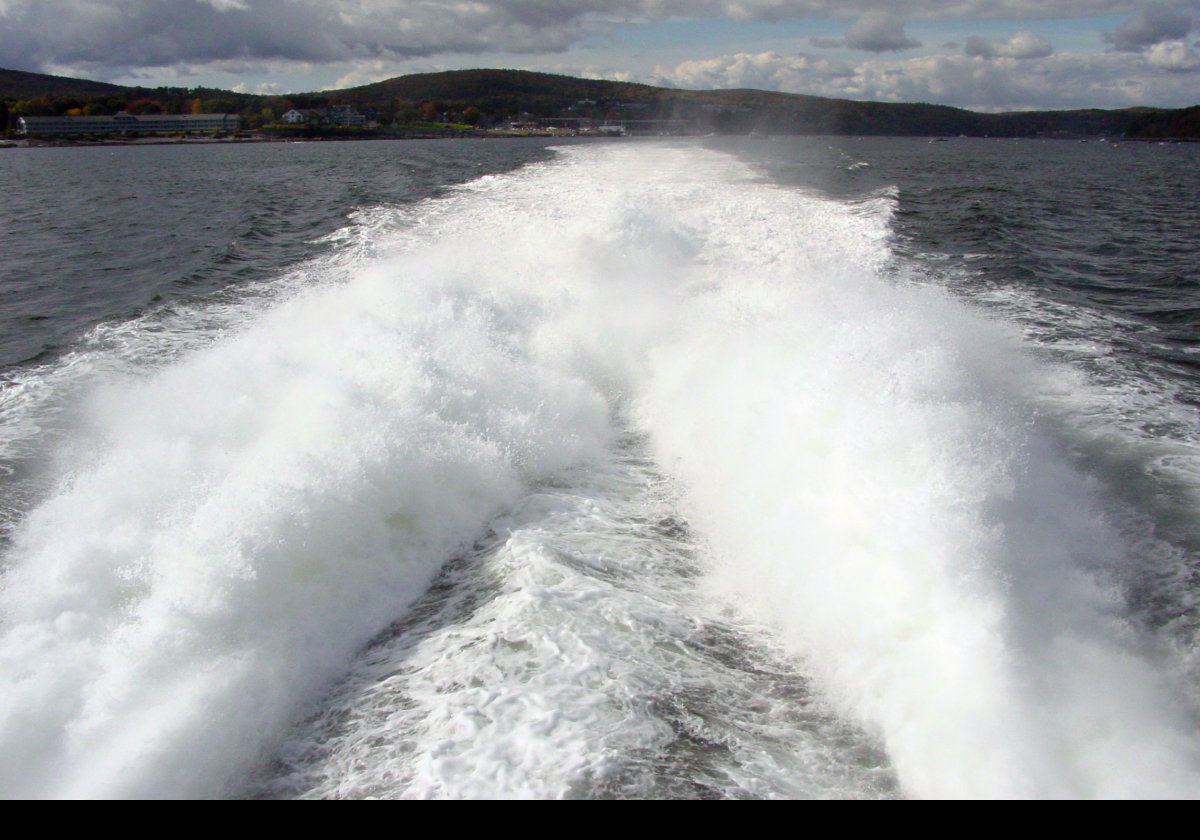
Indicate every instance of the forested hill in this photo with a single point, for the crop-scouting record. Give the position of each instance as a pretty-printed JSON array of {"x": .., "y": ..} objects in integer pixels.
[
  {"x": 489, "y": 97},
  {"x": 17, "y": 84},
  {"x": 511, "y": 92},
  {"x": 736, "y": 111},
  {"x": 521, "y": 88}
]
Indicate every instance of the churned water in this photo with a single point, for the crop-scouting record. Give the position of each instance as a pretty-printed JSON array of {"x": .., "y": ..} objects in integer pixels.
[{"x": 805, "y": 468}]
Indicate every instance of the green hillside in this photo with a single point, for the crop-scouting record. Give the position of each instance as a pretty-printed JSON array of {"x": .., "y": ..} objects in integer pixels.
[{"x": 490, "y": 97}]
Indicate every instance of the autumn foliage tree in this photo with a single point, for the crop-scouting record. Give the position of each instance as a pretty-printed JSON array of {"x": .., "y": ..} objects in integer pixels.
[
  {"x": 144, "y": 106},
  {"x": 428, "y": 111},
  {"x": 40, "y": 106}
]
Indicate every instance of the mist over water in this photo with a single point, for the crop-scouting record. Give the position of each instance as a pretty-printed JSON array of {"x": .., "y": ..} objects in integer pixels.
[{"x": 628, "y": 473}]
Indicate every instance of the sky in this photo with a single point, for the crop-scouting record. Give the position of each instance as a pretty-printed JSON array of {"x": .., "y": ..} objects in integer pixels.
[{"x": 989, "y": 55}]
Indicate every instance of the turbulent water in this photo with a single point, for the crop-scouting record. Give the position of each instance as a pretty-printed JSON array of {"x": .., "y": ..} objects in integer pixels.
[{"x": 823, "y": 468}]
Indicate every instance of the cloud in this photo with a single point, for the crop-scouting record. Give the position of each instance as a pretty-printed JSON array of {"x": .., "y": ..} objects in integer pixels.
[
  {"x": 764, "y": 71},
  {"x": 879, "y": 32},
  {"x": 363, "y": 74},
  {"x": 122, "y": 34},
  {"x": 1023, "y": 45},
  {"x": 1149, "y": 26},
  {"x": 1173, "y": 56},
  {"x": 254, "y": 41},
  {"x": 264, "y": 88},
  {"x": 1060, "y": 80},
  {"x": 119, "y": 35}
]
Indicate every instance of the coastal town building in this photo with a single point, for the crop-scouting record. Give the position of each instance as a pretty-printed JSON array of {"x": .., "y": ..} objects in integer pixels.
[
  {"x": 333, "y": 115},
  {"x": 345, "y": 115},
  {"x": 126, "y": 123}
]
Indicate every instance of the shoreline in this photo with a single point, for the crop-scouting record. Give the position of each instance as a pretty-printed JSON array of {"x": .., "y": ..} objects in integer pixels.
[
  {"x": 45, "y": 143},
  {"x": 50, "y": 143}
]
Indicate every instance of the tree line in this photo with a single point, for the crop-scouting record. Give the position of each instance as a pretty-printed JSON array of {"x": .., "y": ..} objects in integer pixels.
[
  {"x": 483, "y": 98},
  {"x": 256, "y": 111}
]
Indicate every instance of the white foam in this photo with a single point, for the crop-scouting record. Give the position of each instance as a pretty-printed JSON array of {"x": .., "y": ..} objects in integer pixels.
[
  {"x": 253, "y": 513},
  {"x": 569, "y": 657},
  {"x": 866, "y": 462},
  {"x": 861, "y": 458}
]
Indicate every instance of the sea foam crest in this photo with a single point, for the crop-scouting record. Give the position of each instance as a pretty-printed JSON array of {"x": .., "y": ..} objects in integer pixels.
[
  {"x": 253, "y": 512},
  {"x": 861, "y": 459}
]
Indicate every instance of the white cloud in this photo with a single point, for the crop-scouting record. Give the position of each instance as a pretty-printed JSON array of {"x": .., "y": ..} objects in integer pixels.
[
  {"x": 1175, "y": 56},
  {"x": 879, "y": 32},
  {"x": 364, "y": 74},
  {"x": 263, "y": 88},
  {"x": 765, "y": 71},
  {"x": 1061, "y": 80},
  {"x": 1023, "y": 45}
]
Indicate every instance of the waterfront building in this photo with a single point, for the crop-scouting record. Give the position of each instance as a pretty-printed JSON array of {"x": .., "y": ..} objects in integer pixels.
[
  {"x": 126, "y": 123},
  {"x": 333, "y": 115}
]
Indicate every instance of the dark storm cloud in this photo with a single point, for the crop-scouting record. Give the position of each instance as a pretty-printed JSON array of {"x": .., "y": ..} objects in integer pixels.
[
  {"x": 162, "y": 33},
  {"x": 148, "y": 33},
  {"x": 1151, "y": 26}
]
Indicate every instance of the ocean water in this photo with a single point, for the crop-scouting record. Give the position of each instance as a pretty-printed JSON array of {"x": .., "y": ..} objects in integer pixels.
[{"x": 798, "y": 468}]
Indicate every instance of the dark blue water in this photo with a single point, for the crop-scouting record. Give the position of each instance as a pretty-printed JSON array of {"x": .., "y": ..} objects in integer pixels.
[
  {"x": 103, "y": 248},
  {"x": 1105, "y": 228},
  {"x": 91, "y": 235}
]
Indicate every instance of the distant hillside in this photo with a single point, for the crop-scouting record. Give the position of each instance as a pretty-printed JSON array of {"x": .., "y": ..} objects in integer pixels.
[
  {"x": 520, "y": 87},
  {"x": 38, "y": 94},
  {"x": 738, "y": 111},
  {"x": 489, "y": 97},
  {"x": 511, "y": 92},
  {"x": 1181, "y": 122},
  {"x": 17, "y": 84}
]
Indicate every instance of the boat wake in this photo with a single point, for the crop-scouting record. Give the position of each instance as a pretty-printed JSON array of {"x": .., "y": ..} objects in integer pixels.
[{"x": 627, "y": 474}]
